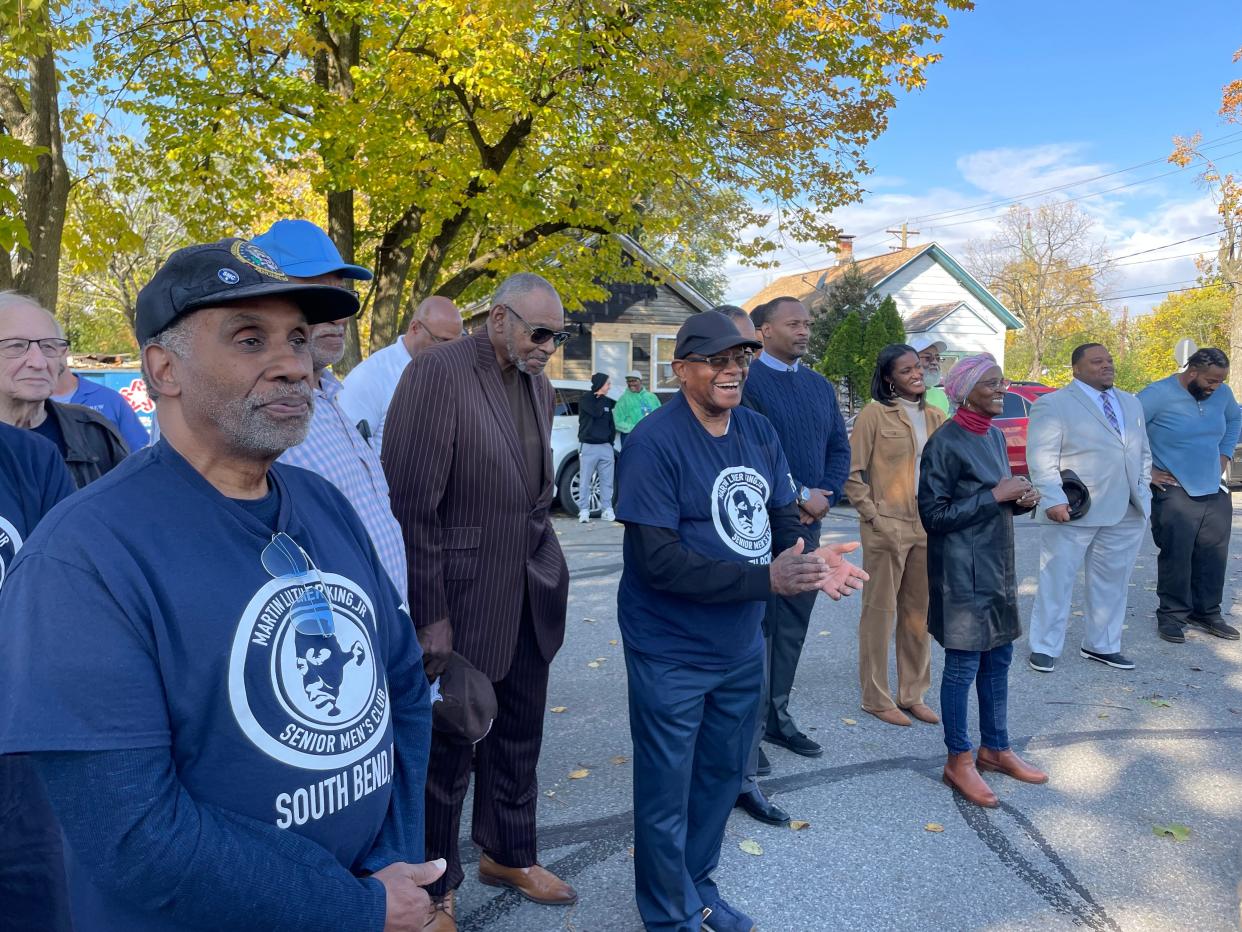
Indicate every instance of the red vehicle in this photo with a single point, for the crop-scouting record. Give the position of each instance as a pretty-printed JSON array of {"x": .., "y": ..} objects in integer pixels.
[{"x": 1015, "y": 417}]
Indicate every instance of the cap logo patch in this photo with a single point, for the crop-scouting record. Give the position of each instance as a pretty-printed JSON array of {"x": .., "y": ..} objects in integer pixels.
[
  {"x": 228, "y": 276},
  {"x": 258, "y": 260}
]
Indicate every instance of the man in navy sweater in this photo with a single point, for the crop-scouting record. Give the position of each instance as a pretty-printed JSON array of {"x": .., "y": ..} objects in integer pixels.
[{"x": 802, "y": 406}]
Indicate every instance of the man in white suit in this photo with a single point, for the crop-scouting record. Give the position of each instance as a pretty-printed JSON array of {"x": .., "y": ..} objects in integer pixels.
[{"x": 1097, "y": 431}]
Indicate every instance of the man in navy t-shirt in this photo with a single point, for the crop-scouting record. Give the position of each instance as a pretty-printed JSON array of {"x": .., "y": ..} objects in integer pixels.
[
  {"x": 33, "y": 478},
  {"x": 711, "y": 501},
  {"x": 204, "y": 657}
]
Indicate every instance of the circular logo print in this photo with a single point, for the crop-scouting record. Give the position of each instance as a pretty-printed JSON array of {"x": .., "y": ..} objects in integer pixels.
[
  {"x": 10, "y": 543},
  {"x": 740, "y": 512},
  {"x": 308, "y": 700},
  {"x": 257, "y": 259},
  {"x": 228, "y": 276}
]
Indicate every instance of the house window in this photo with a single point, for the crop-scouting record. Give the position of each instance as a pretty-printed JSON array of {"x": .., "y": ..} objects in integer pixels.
[{"x": 662, "y": 377}]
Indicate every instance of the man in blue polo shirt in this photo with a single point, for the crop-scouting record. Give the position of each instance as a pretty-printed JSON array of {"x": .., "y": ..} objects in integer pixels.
[
  {"x": 223, "y": 696},
  {"x": 711, "y": 501},
  {"x": 1192, "y": 426},
  {"x": 33, "y": 478}
]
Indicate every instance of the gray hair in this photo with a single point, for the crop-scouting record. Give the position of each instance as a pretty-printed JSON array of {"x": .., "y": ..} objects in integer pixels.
[
  {"x": 521, "y": 284},
  {"x": 176, "y": 339},
  {"x": 11, "y": 299},
  {"x": 732, "y": 311}
]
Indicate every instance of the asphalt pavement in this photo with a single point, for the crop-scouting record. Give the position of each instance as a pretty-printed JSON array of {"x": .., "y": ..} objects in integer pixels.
[{"x": 1135, "y": 758}]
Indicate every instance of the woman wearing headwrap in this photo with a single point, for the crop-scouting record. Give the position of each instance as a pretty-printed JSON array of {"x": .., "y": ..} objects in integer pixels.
[
  {"x": 885, "y": 445},
  {"x": 967, "y": 500}
]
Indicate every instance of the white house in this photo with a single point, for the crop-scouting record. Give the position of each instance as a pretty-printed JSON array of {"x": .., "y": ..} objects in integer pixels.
[{"x": 935, "y": 296}]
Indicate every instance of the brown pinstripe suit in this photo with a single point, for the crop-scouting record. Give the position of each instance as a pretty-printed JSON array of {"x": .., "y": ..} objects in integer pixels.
[{"x": 482, "y": 553}]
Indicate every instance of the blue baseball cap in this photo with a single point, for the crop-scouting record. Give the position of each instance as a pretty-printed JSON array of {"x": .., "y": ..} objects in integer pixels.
[{"x": 303, "y": 250}]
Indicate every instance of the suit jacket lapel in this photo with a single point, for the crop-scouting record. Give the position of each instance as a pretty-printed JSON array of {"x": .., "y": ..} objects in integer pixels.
[
  {"x": 488, "y": 371},
  {"x": 1088, "y": 403}
]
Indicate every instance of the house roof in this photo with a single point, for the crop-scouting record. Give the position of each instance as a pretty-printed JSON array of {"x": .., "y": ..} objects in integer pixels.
[
  {"x": 878, "y": 269},
  {"x": 662, "y": 271},
  {"x": 807, "y": 285},
  {"x": 929, "y": 315}
]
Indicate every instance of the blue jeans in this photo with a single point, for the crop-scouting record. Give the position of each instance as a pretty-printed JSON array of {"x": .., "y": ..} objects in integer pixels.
[{"x": 989, "y": 672}]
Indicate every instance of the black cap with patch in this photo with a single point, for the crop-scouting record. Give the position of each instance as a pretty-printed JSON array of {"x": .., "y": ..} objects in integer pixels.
[
  {"x": 708, "y": 333},
  {"x": 227, "y": 272}
]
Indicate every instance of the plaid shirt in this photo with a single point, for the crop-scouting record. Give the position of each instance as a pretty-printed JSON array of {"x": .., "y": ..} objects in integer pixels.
[{"x": 335, "y": 450}]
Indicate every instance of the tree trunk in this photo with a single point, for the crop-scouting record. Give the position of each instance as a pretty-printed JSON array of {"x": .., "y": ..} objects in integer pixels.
[
  {"x": 45, "y": 187},
  {"x": 1229, "y": 257},
  {"x": 341, "y": 230},
  {"x": 392, "y": 265}
]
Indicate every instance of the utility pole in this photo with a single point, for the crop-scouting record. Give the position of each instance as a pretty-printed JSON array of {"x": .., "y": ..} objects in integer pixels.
[{"x": 904, "y": 232}]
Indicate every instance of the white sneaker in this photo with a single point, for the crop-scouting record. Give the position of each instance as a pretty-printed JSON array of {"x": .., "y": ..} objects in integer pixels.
[
  {"x": 584, "y": 517},
  {"x": 608, "y": 515}
]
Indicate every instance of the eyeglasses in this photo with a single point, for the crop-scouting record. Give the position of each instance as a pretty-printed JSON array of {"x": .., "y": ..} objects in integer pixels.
[
  {"x": 993, "y": 384},
  {"x": 457, "y": 336},
  {"x": 51, "y": 347},
  {"x": 541, "y": 334},
  {"x": 723, "y": 360},
  {"x": 285, "y": 560}
]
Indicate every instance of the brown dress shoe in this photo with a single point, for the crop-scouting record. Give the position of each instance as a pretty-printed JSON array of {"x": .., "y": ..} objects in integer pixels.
[
  {"x": 961, "y": 775},
  {"x": 442, "y": 916},
  {"x": 890, "y": 716},
  {"x": 536, "y": 883},
  {"x": 1011, "y": 765},
  {"x": 924, "y": 713}
]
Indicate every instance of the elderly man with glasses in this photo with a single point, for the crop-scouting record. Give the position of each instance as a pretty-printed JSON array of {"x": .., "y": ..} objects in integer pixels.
[
  {"x": 468, "y": 455},
  {"x": 205, "y": 658},
  {"x": 32, "y": 353},
  {"x": 712, "y": 529}
]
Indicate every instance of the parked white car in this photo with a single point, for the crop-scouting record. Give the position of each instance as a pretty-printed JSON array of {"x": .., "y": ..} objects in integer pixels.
[{"x": 565, "y": 444}]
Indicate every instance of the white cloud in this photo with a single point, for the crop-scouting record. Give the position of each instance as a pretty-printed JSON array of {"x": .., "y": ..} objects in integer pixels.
[{"x": 1136, "y": 218}]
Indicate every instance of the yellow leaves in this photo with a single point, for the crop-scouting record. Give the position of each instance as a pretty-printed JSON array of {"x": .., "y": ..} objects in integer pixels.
[
  {"x": 579, "y": 774},
  {"x": 751, "y": 847},
  {"x": 934, "y": 827},
  {"x": 558, "y": 709},
  {"x": 797, "y": 825}
]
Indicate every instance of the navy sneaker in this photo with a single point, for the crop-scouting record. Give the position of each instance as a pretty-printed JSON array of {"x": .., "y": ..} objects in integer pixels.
[
  {"x": 1042, "y": 662},
  {"x": 1118, "y": 660},
  {"x": 721, "y": 917},
  {"x": 1216, "y": 626}
]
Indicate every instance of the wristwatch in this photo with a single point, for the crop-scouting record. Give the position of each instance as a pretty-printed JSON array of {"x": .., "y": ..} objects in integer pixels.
[{"x": 804, "y": 495}]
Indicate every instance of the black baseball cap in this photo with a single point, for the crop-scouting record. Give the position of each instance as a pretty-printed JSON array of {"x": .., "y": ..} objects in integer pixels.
[
  {"x": 707, "y": 333},
  {"x": 463, "y": 702},
  {"x": 227, "y": 272}
]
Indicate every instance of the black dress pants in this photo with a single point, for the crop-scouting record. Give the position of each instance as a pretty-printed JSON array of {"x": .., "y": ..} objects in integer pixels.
[
  {"x": 505, "y": 784},
  {"x": 1192, "y": 532},
  {"x": 785, "y": 624}
]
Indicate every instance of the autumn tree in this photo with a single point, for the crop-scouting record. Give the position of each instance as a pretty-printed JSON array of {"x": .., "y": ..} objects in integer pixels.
[
  {"x": 1046, "y": 266},
  {"x": 454, "y": 141},
  {"x": 34, "y": 175},
  {"x": 1226, "y": 190}
]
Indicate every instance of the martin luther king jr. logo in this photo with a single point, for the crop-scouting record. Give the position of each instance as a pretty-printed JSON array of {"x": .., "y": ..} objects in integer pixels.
[{"x": 740, "y": 512}]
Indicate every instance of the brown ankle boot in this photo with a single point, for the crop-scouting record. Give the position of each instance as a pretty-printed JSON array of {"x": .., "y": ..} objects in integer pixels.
[
  {"x": 961, "y": 775},
  {"x": 1011, "y": 765},
  {"x": 442, "y": 915}
]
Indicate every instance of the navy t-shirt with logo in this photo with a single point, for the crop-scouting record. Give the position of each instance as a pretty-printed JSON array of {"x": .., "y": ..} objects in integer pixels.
[
  {"x": 715, "y": 492},
  {"x": 33, "y": 478},
  {"x": 139, "y": 615}
]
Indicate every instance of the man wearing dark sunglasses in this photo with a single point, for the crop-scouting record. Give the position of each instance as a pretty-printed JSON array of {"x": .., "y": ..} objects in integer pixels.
[
  {"x": 467, "y": 451},
  {"x": 255, "y": 758},
  {"x": 711, "y": 530}
]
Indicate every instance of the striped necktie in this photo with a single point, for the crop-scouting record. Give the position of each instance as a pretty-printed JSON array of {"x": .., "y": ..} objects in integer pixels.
[{"x": 1109, "y": 413}]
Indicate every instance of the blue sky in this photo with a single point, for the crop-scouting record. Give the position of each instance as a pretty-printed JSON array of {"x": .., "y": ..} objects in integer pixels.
[{"x": 1033, "y": 95}]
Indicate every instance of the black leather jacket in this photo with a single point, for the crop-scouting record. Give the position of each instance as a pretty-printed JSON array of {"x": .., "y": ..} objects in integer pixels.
[
  {"x": 93, "y": 445},
  {"x": 972, "y": 589}
]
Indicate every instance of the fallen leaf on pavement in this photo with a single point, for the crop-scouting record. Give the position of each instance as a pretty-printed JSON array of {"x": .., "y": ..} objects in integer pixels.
[
  {"x": 1078, "y": 614},
  {"x": 601, "y": 659},
  {"x": 579, "y": 774},
  {"x": 620, "y": 759},
  {"x": 1159, "y": 703},
  {"x": 750, "y": 846},
  {"x": 824, "y": 634},
  {"x": 559, "y": 708},
  {"x": 549, "y": 793},
  {"x": 613, "y": 643},
  {"x": 589, "y": 621},
  {"x": 849, "y": 721},
  {"x": 594, "y": 664},
  {"x": 1102, "y": 715},
  {"x": 1174, "y": 830},
  {"x": 798, "y": 825},
  {"x": 933, "y": 827}
]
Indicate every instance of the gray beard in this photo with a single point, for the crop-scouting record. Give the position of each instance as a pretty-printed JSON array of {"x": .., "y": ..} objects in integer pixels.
[
  {"x": 931, "y": 379},
  {"x": 244, "y": 422}
]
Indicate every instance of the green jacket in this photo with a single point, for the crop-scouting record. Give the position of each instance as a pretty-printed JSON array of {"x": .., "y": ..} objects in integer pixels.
[
  {"x": 936, "y": 396},
  {"x": 632, "y": 407}
]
